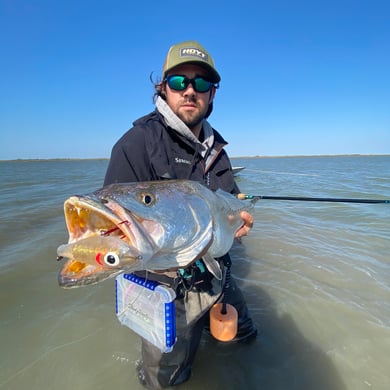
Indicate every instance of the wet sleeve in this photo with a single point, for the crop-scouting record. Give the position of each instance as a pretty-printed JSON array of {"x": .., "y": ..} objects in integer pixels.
[{"x": 129, "y": 160}]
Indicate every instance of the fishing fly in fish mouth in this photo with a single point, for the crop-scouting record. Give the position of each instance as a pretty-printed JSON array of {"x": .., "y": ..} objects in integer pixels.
[
  {"x": 145, "y": 226},
  {"x": 100, "y": 241}
]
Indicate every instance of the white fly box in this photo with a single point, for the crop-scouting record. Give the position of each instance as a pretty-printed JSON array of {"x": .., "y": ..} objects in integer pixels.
[{"x": 148, "y": 308}]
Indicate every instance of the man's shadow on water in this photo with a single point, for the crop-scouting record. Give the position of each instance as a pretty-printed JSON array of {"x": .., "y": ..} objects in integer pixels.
[{"x": 280, "y": 358}]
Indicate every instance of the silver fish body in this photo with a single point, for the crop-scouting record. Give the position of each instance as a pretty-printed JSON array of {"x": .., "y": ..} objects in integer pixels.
[{"x": 154, "y": 226}]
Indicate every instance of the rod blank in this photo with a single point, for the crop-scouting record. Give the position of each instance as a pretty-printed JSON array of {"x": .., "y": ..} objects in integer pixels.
[{"x": 314, "y": 199}]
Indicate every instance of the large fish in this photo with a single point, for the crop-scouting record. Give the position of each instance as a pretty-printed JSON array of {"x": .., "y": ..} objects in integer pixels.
[{"x": 145, "y": 226}]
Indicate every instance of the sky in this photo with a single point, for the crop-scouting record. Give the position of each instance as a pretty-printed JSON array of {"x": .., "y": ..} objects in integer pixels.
[{"x": 298, "y": 77}]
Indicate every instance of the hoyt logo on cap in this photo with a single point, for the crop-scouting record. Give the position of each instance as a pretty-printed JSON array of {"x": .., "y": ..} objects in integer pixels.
[{"x": 193, "y": 52}]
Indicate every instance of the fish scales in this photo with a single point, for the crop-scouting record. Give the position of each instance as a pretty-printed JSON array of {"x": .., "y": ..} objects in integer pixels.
[{"x": 155, "y": 225}]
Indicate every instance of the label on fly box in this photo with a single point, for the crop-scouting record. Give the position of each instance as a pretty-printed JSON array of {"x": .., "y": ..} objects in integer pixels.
[{"x": 147, "y": 308}]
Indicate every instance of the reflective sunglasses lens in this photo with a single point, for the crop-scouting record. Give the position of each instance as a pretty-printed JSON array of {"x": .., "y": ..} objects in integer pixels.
[
  {"x": 201, "y": 85},
  {"x": 178, "y": 83}
]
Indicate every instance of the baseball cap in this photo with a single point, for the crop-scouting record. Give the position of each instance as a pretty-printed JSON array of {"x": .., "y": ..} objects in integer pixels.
[{"x": 193, "y": 53}]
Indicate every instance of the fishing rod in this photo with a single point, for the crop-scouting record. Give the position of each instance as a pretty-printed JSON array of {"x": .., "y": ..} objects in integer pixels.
[{"x": 313, "y": 199}]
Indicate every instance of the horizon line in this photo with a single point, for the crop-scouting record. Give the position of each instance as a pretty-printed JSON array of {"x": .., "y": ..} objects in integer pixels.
[{"x": 231, "y": 157}]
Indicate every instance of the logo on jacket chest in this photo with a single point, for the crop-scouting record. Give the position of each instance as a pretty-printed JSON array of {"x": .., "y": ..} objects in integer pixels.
[{"x": 179, "y": 160}]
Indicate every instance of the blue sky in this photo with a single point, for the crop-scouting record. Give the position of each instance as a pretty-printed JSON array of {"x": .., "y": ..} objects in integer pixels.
[{"x": 298, "y": 77}]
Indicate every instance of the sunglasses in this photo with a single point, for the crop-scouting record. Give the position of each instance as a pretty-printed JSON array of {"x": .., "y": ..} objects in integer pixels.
[{"x": 180, "y": 83}]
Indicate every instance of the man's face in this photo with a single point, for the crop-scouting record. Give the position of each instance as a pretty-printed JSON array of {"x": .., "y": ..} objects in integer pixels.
[{"x": 190, "y": 106}]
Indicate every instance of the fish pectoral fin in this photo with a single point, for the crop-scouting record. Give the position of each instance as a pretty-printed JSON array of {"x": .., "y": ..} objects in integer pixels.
[
  {"x": 213, "y": 266},
  {"x": 168, "y": 260}
]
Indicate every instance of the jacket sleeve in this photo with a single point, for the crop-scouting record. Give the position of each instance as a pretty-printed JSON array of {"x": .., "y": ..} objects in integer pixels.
[{"x": 129, "y": 160}]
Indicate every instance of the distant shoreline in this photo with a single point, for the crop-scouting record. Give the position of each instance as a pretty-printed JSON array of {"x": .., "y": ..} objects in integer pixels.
[
  {"x": 316, "y": 155},
  {"x": 55, "y": 159},
  {"x": 232, "y": 158}
]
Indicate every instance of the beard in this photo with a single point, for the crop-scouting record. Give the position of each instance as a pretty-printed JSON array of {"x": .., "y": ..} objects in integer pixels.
[{"x": 191, "y": 118}]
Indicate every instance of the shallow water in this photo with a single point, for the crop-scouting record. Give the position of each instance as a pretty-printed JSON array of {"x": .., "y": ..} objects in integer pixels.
[{"x": 316, "y": 277}]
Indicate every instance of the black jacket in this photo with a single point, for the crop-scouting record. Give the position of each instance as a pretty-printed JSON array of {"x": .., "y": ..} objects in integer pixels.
[{"x": 153, "y": 151}]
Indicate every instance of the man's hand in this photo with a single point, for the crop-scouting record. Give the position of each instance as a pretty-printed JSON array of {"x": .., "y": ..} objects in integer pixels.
[{"x": 247, "y": 225}]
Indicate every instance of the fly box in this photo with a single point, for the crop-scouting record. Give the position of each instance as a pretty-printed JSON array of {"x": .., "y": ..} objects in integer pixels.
[{"x": 148, "y": 308}]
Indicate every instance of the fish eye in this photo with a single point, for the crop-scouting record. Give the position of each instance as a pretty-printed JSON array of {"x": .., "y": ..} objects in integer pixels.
[
  {"x": 147, "y": 199},
  {"x": 111, "y": 259}
]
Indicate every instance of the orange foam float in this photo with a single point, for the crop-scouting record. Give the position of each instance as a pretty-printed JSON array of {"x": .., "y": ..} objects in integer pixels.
[{"x": 223, "y": 321}]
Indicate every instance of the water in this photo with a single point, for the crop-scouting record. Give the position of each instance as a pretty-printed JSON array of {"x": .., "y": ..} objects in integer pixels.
[{"x": 316, "y": 277}]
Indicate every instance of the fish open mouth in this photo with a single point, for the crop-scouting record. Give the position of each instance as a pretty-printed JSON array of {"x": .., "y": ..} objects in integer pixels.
[{"x": 86, "y": 217}]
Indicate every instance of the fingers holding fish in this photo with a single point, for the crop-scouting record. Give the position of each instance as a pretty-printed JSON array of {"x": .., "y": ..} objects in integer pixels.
[{"x": 246, "y": 226}]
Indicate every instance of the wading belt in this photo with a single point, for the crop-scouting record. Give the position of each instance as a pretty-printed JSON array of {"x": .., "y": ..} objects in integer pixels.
[{"x": 196, "y": 277}]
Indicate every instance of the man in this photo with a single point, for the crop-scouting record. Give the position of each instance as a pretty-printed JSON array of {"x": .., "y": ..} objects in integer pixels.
[{"x": 177, "y": 142}]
